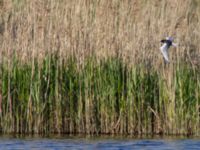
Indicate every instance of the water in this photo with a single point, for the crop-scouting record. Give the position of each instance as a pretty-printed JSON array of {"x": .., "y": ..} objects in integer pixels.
[{"x": 74, "y": 143}]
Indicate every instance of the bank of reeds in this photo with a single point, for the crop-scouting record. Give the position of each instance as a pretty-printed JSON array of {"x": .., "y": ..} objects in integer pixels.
[
  {"x": 102, "y": 97},
  {"x": 90, "y": 66}
]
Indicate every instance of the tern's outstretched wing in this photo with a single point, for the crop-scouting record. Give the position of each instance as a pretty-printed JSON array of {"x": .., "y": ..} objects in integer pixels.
[
  {"x": 170, "y": 39},
  {"x": 164, "y": 51},
  {"x": 174, "y": 44}
]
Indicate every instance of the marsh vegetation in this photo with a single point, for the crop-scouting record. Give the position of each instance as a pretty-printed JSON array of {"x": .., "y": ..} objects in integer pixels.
[{"x": 95, "y": 67}]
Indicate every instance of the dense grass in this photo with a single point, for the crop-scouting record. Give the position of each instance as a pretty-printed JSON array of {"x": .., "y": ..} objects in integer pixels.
[{"x": 99, "y": 97}]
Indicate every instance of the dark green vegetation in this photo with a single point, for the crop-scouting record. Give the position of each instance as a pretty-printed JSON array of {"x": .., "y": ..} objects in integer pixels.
[{"x": 108, "y": 96}]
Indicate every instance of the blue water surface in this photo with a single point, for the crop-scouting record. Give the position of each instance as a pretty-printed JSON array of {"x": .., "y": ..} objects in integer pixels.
[{"x": 76, "y": 143}]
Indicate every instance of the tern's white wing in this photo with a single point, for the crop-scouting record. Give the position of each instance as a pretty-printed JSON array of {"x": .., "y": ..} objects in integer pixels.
[
  {"x": 175, "y": 44},
  {"x": 170, "y": 38},
  {"x": 164, "y": 51}
]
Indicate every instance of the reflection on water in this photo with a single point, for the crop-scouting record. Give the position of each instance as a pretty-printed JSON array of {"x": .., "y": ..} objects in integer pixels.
[{"x": 74, "y": 143}]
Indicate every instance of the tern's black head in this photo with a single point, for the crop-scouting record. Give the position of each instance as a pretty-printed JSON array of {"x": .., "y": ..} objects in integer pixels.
[
  {"x": 168, "y": 42},
  {"x": 163, "y": 41}
]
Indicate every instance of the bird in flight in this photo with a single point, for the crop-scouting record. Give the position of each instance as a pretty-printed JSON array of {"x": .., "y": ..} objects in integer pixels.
[{"x": 166, "y": 44}]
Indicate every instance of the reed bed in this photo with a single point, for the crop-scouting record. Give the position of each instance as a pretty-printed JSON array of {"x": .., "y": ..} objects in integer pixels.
[
  {"x": 94, "y": 67},
  {"x": 103, "y": 97}
]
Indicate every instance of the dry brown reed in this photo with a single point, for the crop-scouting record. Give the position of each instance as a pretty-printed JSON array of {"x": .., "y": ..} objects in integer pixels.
[{"x": 131, "y": 29}]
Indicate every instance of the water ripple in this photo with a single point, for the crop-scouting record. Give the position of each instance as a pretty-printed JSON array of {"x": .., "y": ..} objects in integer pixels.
[{"x": 99, "y": 144}]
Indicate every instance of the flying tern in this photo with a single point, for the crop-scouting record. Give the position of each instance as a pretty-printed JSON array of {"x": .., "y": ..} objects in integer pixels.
[{"x": 167, "y": 43}]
